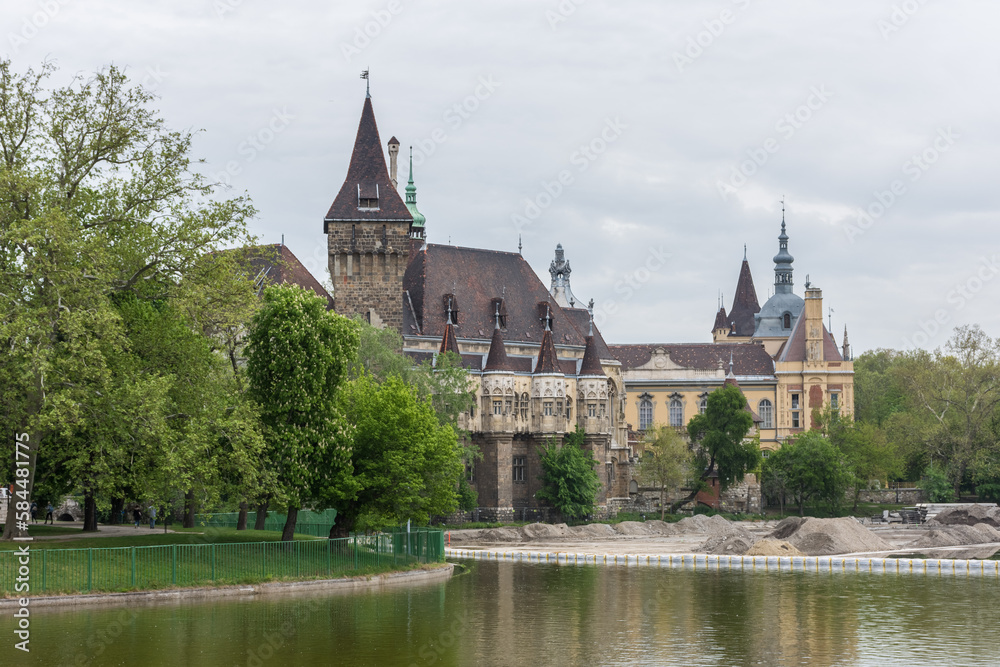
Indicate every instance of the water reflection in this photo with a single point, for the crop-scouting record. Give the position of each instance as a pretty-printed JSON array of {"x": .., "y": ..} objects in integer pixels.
[{"x": 525, "y": 614}]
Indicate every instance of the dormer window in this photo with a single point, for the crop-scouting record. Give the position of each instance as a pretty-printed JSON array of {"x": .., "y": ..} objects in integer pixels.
[
  {"x": 368, "y": 203},
  {"x": 786, "y": 321}
]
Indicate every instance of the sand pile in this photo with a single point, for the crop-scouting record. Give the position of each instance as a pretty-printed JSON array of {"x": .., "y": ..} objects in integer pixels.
[
  {"x": 822, "y": 537},
  {"x": 485, "y": 535},
  {"x": 658, "y": 527},
  {"x": 960, "y": 535},
  {"x": 632, "y": 528},
  {"x": 544, "y": 531},
  {"x": 969, "y": 515},
  {"x": 732, "y": 545},
  {"x": 769, "y": 547},
  {"x": 592, "y": 530}
]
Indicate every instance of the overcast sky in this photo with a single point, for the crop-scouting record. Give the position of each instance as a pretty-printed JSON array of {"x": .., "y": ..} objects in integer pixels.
[{"x": 675, "y": 127}]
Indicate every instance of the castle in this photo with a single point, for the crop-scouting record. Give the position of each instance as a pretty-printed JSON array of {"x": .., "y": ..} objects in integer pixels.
[{"x": 538, "y": 364}]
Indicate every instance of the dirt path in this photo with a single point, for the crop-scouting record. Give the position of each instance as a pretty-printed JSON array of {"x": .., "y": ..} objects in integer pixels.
[{"x": 102, "y": 531}]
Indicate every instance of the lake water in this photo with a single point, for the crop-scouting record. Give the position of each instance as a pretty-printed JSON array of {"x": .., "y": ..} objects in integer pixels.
[{"x": 527, "y": 614}]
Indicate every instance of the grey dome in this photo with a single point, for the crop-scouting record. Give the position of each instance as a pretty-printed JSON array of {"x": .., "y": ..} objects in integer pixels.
[{"x": 768, "y": 322}]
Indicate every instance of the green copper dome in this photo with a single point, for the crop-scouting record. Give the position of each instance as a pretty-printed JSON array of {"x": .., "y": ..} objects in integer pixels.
[{"x": 411, "y": 203}]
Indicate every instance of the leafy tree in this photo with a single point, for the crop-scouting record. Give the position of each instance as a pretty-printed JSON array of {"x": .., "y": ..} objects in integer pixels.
[
  {"x": 569, "y": 481},
  {"x": 867, "y": 453},
  {"x": 98, "y": 199},
  {"x": 406, "y": 465},
  {"x": 298, "y": 355},
  {"x": 878, "y": 391},
  {"x": 720, "y": 436},
  {"x": 666, "y": 461},
  {"x": 937, "y": 486},
  {"x": 809, "y": 468}
]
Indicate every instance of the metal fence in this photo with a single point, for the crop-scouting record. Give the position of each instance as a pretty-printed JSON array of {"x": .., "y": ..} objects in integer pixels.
[{"x": 130, "y": 568}]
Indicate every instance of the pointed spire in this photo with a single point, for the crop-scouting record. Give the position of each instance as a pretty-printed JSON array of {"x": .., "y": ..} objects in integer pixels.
[
  {"x": 745, "y": 304},
  {"x": 846, "y": 350},
  {"x": 731, "y": 376},
  {"x": 721, "y": 322},
  {"x": 783, "y": 260},
  {"x": 591, "y": 364},
  {"x": 418, "y": 227},
  {"x": 497, "y": 358},
  {"x": 547, "y": 360},
  {"x": 590, "y": 311},
  {"x": 449, "y": 342},
  {"x": 367, "y": 192}
]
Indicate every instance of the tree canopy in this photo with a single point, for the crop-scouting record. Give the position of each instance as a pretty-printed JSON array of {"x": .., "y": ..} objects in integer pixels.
[
  {"x": 666, "y": 461},
  {"x": 569, "y": 481}
]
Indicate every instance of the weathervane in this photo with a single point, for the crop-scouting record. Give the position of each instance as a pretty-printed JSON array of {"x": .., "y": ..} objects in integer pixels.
[{"x": 368, "y": 85}]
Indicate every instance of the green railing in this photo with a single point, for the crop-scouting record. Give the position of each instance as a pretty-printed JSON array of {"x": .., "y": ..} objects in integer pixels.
[
  {"x": 131, "y": 568},
  {"x": 317, "y": 524}
]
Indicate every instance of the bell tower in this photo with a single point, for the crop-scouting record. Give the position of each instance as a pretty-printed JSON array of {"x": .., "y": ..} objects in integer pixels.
[{"x": 368, "y": 230}]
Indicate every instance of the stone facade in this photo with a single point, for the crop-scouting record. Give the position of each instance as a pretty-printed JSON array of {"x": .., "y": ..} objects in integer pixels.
[{"x": 367, "y": 261}]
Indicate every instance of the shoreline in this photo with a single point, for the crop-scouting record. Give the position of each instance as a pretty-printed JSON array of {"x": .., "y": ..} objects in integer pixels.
[{"x": 432, "y": 574}]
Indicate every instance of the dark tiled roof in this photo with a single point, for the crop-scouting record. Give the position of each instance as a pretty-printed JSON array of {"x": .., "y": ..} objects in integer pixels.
[
  {"x": 721, "y": 322},
  {"x": 275, "y": 264},
  {"x": 547, "y": 360},
  {"x": 591, "y": 364},
  {"x": 748, "y": 359},
  {"x": 369, "y": 173},
  {"x": 497, "y": 359},
  {"x": 475, "y": 277},
  {"x": 794, "y": 349},
  {"x": 580, "y": 318},
  {"x": 745, "y": 304},
  {"x": 448, "y": 341}
]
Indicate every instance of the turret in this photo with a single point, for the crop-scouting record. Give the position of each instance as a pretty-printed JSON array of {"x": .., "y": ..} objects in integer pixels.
[
  {"x": 550, "y": 404},
  {"x": 560, "y": 290}
]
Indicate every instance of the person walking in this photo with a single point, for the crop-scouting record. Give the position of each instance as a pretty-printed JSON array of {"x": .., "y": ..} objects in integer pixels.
[
  {"x": 49, "y": 516},
  {"x": 137, "y": 515},
  {"x": 34, "y": 512},
  {"x": 152, "y": 517}
]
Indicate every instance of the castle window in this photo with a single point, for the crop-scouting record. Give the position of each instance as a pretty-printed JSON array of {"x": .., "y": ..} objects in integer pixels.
[
  {"x": 524, "y": 406},
  {"x": 676, "y": 413},
  {"x": 518, "y": 469},
  {"x": 786, "y": 321},
  {"x": 766, "y": 412},
  {"x": 547, "y": 408},
  {"x": 795, "y": 401},
  {"x": 559, "y": 408},
  {"x": 795, "y": 420},
  {"x": 834, "y": 401},
  {"x": 702, "y": 404},
  {"x": 507, "y": 406},
  {"x": 645, "y": 414},
  {"x": 497, "y": 407},
  {"x": 591, "y": 409},
  {"x": 470, "y": 473}
]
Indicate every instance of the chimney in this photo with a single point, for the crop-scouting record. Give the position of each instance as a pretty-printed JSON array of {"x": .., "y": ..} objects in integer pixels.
[{"x": 393, "y": 152}]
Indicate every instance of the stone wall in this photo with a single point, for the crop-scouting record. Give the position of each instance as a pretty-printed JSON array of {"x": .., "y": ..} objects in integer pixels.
[
  {"x": 891, "y": 496},
  {"x": 367, "y": 263}
]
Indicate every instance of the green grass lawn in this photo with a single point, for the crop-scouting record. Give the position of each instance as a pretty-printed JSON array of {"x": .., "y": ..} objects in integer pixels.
[{"x": 144, "y": 537}]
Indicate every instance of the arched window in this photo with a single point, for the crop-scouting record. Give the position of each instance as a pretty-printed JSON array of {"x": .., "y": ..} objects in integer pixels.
[
  {"x": 786, "y": 321},
  {"x": 645, "y": 414},
  {"x": 766, "y": 412},
  {"x": 702, "y": 404},
  {"x": 676, "y": 413}
]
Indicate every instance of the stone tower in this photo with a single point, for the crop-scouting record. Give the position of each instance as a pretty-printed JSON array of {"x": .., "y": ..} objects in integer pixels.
[{"x": 368, "y": 230}]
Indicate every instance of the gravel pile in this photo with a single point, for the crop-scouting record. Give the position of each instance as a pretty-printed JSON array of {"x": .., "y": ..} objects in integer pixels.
[
  {"x": 823, "y": 537},
  {"x": 733, "y": 545},
  {"x": 769, "y": 547},
  {"x": 959, "y": 535},
  {"x": 969, "y": 515}
]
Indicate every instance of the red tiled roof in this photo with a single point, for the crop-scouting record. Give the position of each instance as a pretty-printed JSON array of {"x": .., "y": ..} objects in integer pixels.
[
  {"x": 368, "y": 177},
  {"x": 745, "y": 304},
  {"x": 794, "y": 349},
  {"x": 275, "y": 264},
  {"x": 748, "y": 358},
  {"x": 475, "y": 277}
]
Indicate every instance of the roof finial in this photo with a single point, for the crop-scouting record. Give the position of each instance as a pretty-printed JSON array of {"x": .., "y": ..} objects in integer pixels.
[
  {"x": 782, "y": 213},
  {"x": 497, "y": 314},
  {"x": 548, "y": 318},
  {"x": 518, "y": 244},
  {"x": 744, "y": 252},
  {"x": 449, "y": 312},
  {"x": 590, "y": 309},
  {"x": 731, "y": 363},
  {"x": 368, "y": 84},
  {"x": 829, "y": 316}
]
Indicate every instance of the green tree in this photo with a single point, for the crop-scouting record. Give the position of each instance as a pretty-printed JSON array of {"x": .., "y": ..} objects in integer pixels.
[
  {"x": 406, "y": 465},
  {"x": 298, "y": 356},
  {"x": 666, "y": 462},
  {"x": 878, "y": 392},
  {"x": 808, "y": 468},
  {"x": 868, "y": 455},
  {"x": 569, "y": 481},
  {"x": 720, "y": 436},
  {"x": 98, "y": 199}
]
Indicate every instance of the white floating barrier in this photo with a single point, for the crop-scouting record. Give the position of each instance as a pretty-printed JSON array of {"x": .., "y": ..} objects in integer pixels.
[{"x": 818, "y": 564}]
